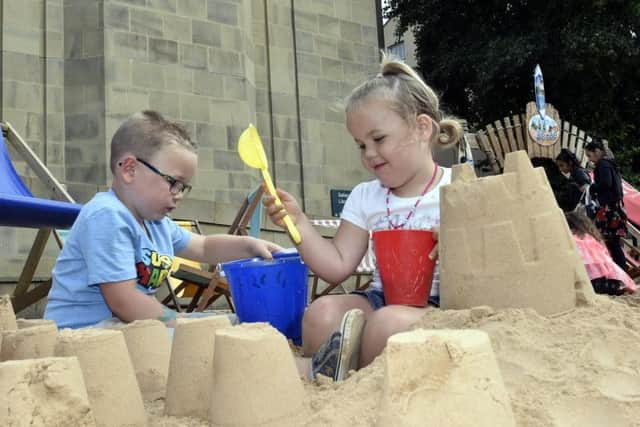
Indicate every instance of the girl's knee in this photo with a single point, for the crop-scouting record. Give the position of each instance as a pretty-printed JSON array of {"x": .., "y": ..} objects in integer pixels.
[{"x": 393, "y": 319}]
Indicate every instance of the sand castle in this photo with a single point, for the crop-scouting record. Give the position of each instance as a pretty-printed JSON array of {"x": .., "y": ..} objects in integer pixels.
[
  {"x": 191, "y": 367},
  {"x": 443, "y": 378},
  {"x": 505, "y": 243},
  {"x": 149, "y": 348},
  {"x": 255, "y": 380}
]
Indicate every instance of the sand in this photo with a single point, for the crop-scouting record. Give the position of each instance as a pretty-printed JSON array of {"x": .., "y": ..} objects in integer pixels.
[{"x": 579, "y": 368}]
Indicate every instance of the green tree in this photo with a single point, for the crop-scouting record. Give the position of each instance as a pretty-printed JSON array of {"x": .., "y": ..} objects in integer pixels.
[{"x": 480, "y": 55}]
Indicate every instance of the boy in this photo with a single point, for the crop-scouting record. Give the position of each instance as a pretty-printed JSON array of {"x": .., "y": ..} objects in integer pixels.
[{"x": 121, "y": 247}]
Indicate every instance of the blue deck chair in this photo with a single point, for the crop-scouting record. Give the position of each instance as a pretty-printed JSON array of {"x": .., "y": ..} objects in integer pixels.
[{"x": 19, "y": 208}]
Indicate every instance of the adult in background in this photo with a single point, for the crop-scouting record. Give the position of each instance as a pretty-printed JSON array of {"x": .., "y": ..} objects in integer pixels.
[
  {"x": 611, "y": 219},
  {"x": 570, "y": 167}
]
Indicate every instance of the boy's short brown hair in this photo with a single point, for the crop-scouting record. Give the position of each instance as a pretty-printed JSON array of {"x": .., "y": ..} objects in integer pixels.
[{"x": 145, "y": 133}]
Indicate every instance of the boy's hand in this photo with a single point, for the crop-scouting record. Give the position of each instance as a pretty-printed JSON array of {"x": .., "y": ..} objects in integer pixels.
[
  {"x": 434, "y": 252},
  {"x": 262, "y": 248},
  {"x": 277, "y": 211}
]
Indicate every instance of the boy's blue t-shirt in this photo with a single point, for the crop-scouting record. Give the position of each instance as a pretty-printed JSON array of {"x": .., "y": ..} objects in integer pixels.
[{"x": 107, "y": 244}]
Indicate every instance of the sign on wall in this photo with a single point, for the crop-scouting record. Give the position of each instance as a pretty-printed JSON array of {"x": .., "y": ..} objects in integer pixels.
[{"x": 338, "y": 199}]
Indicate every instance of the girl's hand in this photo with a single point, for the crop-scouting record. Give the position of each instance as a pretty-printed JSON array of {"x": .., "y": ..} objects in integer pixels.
[
  {"x": 434, "y": 252},
  {"x": 278, "y": 211},
  {"x": 262, "y": 248}
]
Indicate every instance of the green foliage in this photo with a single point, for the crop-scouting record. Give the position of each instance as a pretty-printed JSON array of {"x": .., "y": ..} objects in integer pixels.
[{"x": 480, "y": 55}]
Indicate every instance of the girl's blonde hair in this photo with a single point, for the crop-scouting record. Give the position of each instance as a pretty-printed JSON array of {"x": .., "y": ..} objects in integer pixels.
[{"x": 408, "y": 96}]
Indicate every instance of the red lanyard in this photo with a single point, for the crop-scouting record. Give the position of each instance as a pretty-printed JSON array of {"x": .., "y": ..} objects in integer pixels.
[{"x": 413, "y": 209}]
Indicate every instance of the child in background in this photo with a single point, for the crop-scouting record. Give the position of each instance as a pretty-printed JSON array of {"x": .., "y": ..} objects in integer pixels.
[
  {"x": 121, "y": 247},
  {"x": 605, "y": 275},
  {"x": 395, "y": 121},
  {"x": 570, "y": 166}
]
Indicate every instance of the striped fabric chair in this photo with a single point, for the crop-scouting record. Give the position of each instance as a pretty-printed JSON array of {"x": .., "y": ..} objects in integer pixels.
[{"x": 363, "y": 274}]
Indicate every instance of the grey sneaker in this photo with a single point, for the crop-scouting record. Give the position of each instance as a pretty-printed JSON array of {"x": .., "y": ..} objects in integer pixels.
[{"x": 341, "y": 352}]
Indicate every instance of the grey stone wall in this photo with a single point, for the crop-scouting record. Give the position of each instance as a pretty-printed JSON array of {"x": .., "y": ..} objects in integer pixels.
[{"x": 74, "y": 69}]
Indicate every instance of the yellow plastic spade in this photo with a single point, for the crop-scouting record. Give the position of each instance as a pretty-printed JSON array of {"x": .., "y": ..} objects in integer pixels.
[{"x": 252, "y": 154}]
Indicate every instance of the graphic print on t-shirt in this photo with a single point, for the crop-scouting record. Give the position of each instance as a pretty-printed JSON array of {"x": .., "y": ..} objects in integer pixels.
[{"x": 153, "y": 268}]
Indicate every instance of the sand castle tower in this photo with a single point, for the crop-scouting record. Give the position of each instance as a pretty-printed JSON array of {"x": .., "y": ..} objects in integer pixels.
[
  {"x": 32, "y": 342},
  {"x": 443, "y": 378},
  {"x": 108, "y": 374},
  {"x": 505, "y": 243},
  {"x": 149, "y": 348},
  {"x": 7, "y": 316},
  {"x": 191, "y": 367},
  {"x": 46, "y": 392},
  {"x": 255, "y": 381}
]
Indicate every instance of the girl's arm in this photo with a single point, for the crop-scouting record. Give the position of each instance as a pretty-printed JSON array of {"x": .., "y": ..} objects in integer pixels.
[
  {"x": 224, "y": 247},
  {"x": 333, "y": 260}
]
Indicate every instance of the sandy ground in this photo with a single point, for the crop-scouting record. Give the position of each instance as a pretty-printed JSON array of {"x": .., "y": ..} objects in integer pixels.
[{"x": 578, "y": 368}]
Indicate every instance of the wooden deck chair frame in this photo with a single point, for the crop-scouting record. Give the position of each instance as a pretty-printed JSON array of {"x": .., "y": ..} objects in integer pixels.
[
  {"x": 363, "y": 273},
  {"x": 210, "y": 284},
  {"x": 22, "y": 296}
]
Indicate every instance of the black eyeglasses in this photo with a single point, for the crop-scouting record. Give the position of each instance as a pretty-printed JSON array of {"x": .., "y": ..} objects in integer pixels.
[{"x": 175, "y": 185}]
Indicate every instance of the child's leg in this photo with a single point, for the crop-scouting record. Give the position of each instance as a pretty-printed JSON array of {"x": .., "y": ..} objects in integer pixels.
[
  {"x": 383, "y": 323},
  {"x": 323, "y": 317}
]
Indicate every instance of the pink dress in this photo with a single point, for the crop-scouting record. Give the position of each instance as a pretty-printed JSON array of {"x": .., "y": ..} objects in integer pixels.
[{"x": 598, "y": 262}]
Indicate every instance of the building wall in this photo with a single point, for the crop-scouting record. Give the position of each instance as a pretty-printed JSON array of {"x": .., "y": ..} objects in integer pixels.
[
  {"x": 72, "y": 70},
  {"x": 407, "y": 39}
]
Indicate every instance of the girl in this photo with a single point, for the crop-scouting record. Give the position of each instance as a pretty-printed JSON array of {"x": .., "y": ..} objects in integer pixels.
[
  {"x": 607, "y": 189},
  {"x": 570, "y": 167},
  {"x": 605, "y": 275},
  {"x": 395, "y": 121}
]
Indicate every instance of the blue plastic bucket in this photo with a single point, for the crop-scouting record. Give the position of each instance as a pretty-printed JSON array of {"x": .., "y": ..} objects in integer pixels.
[{"x": 273, "y": 291}]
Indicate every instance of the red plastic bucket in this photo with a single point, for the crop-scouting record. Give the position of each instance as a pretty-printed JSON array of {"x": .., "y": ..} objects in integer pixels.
[{"x": 404, "y": 265}]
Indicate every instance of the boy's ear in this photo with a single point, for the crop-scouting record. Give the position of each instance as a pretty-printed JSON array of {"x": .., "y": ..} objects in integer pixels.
[
  {"x": 126, "y": 168},
  {"x": 425, "y": 125}
]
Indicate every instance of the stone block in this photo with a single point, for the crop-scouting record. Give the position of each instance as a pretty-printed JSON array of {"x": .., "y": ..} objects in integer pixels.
[
  {"x": 22, "y": 95},
  {"x": 55, "y": 99},
  {"x": 194, "y": 107},
  {"x": 343, "y": 9},
  {"x": 162, "y": 51},
  {"x": 223, "y": 12},
  {"x": 307, "y": 86},
  {"x": 207, "y": 33},
  {"x": 177, "y": 78},
  {"x": 26, "y": 14},
  {"x": 326, "y": 46},
  {"x": 235, "y": 88},
  {"x": 118, "y": 71},
  {"x": 350, "y": 31},
  {"x": 311, "y": 108},
  {"x": 81, "y": 126},
  {"x": 55, "y": 71},
  {"x": 304, "y": 41},
  {"x": 227, "y": 160},
  {"x": 192, "y": 8},
  {"x": 225, "y": 62},
  {"x": 134, "y": 2},
  {"x": 84, "y": 71},
  {"x": 369, "y": 34},
  {"x": 146, "y": 22},
  {"x": 210, "y": 135},
  {"x": 22, "y": 40},
  {"x": 55, "y": 44},
  {"x": 21, "y": 67},
  {"x": 285, "y": 127},
  {"x": 116, "y": 16},
  {"x": 193, "y": 56},
  {"x": 73, "y": 44},
  {"x": 84, "y": 16},
  {"x": 330, "y": 25},
  {"x": 362, "y": 12},
  {"x": 231, "y": 39},
  {"x": 177, "y": 28},
  {"x": 163, "y": 5},
  {"x": 326, "y": 7},
  {"x": 283, "y": 104},
  {"x": 147, "y": 76},
  {"x": 309, "y": 64},
  {"x": 209, "y": 84},
  {"x": 329, "y": 90},
  {"x": 55, "y": 128},
  {"x": 127, "y": 45},
  {"x": 166, "y": 102},
  {"x": 332, "y": 69},
  {"x": 306, "y": 21},
  {"x": 55, "y": 16}
]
